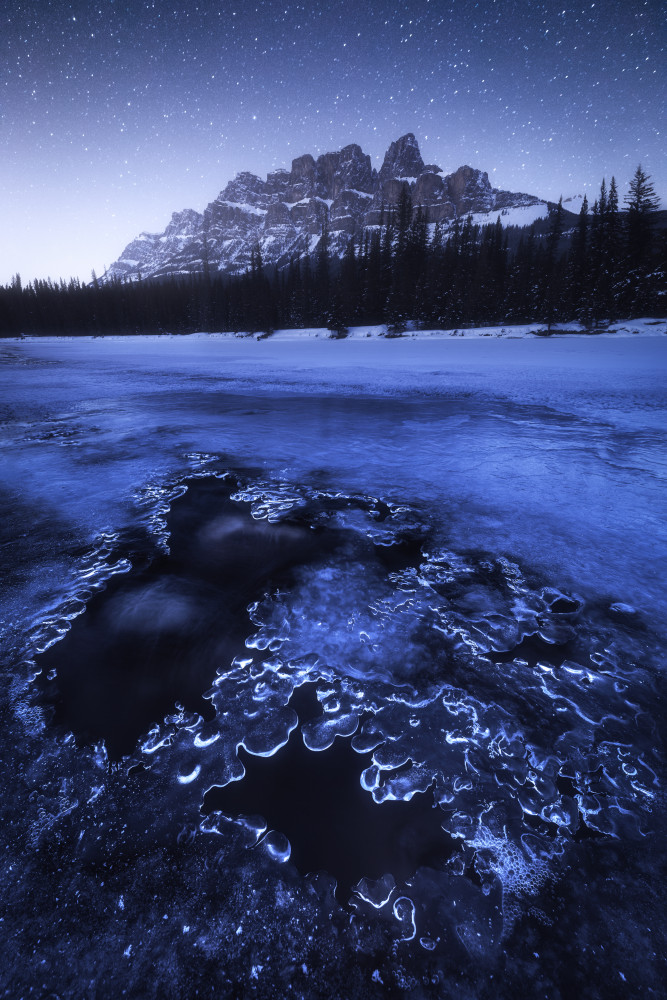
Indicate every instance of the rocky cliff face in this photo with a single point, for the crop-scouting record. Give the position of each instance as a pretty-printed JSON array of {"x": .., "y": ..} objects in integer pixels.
[
  {"x": 285, "y": 213},
  {"x": 402, "y": 159}
]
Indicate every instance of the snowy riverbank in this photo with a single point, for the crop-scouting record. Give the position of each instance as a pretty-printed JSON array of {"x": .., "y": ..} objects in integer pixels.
[
  {"x": 644, "y": 327},
  {"x": 626, "y": 328}
]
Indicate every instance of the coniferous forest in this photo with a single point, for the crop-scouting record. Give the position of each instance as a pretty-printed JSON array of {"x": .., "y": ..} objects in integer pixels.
[{"x": 610, "y": 263}]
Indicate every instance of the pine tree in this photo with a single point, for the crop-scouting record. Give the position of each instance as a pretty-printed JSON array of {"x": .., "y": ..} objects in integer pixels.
[
  {"x": 322, "y": 272},
  {"x": 642, "y": 203},
  {"x": 613, "y": 250},
  {"x": 404, "y": 216},
  {"x": 641, "y": 197},
  {"x": 344, "y": 310},
  {"x": 491, "y": 274},
  {"x": 373, "y": 298},
  {"x": 552, "y": 271},
  {"x": 599, "y": 291},
  {"x": 579, "y": 291}
]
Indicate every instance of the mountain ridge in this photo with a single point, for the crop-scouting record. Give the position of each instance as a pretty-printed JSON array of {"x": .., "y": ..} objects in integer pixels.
[{"x": 285, "y": 213}]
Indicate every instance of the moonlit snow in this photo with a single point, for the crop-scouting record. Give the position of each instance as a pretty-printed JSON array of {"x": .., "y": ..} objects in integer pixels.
[{"x": 334, "y": 668}]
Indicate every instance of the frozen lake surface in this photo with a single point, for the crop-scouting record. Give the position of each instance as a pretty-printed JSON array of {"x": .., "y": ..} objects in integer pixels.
[{"x": 333, "y": 668}]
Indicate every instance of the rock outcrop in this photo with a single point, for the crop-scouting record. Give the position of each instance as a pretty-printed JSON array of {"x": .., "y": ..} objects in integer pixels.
[
  {"x": 402, "y": 159},
  {"x": 285, "y": 213}
]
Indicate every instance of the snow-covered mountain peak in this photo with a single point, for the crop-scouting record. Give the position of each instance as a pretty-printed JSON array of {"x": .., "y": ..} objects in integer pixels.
[
  {"x": 285, "y": 212},
  {"x": 402, "y": 159}
]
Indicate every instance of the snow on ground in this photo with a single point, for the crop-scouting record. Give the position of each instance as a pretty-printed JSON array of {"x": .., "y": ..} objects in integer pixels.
[
  {"x": 522, "y": 215},
  {"x": 645, "y": 327},
  {"x": 573, "y": 204},
  {"x": 627, "y": 328}
]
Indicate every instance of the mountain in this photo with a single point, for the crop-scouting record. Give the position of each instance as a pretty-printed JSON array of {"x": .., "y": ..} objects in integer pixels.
[{"x": 285, "y": 213}]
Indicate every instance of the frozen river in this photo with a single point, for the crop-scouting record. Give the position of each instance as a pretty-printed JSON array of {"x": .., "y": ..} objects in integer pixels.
[{"x": 392, "y": 612}]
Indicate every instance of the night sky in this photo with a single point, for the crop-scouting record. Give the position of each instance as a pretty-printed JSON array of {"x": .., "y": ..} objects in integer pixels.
[{"x": 116, "y": 113}]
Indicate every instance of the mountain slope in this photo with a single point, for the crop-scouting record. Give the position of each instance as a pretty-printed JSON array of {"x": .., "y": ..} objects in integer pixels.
[{"x": 285, "y": 213}]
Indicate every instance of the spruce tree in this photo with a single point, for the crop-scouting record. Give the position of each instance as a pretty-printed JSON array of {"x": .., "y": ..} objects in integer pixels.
[
  {"x": 598, "y": 270},
  {"x": 577, "y": 277},
  {"x": 372, "y": 296},
  {"x": 347, "y": 288},
  {"x": 552, "y": 272},
  {"x": 613, "y": 250},
  {"x": 641, "y": 203},
  {"x": 322, "y": 273}
]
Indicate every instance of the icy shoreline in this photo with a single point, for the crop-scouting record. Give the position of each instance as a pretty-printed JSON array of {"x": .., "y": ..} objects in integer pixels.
[
  {"x": 626, "y": 328},
  {"x": 644, "y": 327}
]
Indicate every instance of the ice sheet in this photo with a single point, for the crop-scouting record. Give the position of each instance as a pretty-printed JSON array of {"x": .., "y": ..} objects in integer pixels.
[{"x": 457, "y": 545}]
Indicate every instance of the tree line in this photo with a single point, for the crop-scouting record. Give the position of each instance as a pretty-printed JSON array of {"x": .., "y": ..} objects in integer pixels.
[{"x": 610, "y": 263}]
